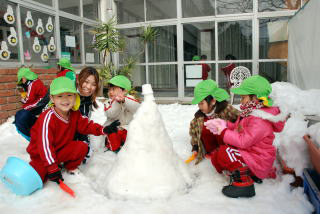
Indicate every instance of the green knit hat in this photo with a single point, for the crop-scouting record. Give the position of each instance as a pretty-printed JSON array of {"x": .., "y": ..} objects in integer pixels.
[
  {"x": 256, "y": 85},
  {"x": 26, "y": 73},
  {"x": 65, "y": 62},
  {"x": 196, "y": 58},
  {"x": 206, "y": 88},
  {"x": 62, "y": 85},
  {"x": 121, "y": 81}
]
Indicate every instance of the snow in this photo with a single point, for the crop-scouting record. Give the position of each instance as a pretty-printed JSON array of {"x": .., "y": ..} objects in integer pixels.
[{"x": 202, "y": 196}]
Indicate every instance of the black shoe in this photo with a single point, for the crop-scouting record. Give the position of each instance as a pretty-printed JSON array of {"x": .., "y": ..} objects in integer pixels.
[
  {"x": 256, "y": 179},
  {"x": 239, "y": 191}
]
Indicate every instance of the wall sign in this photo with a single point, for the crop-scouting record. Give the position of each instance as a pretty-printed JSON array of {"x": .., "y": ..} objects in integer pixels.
[
  {"x": 29, "y": 21},
  {"x": 9, "y": 16},
  {"x": 4, "y": 52},
  {"x": 13, "y": 39},
  {"x": 36, "y": 46}
]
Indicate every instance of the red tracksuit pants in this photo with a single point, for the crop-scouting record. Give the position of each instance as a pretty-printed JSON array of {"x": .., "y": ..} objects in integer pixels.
[
  {"x": 115, "y": 140},
  {"x": 227, "y": 158},
  {"x": 71, "y": 155}
]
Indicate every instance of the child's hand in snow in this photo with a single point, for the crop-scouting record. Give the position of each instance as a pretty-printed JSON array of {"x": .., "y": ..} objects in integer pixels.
[{"x": 216, "y": 126}]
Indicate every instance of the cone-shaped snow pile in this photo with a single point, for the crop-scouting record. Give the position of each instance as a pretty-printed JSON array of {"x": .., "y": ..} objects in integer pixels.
[{"x": 147, "y": 167}]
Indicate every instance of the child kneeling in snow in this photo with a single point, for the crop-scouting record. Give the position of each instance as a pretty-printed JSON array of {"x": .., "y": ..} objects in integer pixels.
[
  {"x": 34, "y": 99},
  {"x": 212, "y": 103},
  {"x": 248, "y": 140},
  {"x": 119, "y": 106},
  {"x": 52, "y": 135}
]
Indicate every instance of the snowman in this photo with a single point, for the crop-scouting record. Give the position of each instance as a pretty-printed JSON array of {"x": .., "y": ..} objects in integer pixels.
[
  {"x": 49, "y": 25},
  {"x": 29, "y": 21},
  {"x": 12, "y": 39},
  {"x": 51, "y": 46},
  {"x": 4, "y": 52},
  {"x": 36, "y": 46},
  {"x": 147, "y": 167},
  {"x": 44, "y": 56},
  {"x": 8, "y": 16},
  {"x": 39, "y": 28}
]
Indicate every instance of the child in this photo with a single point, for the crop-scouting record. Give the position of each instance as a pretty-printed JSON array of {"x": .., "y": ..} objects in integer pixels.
[
  {"x": 227, "y": 69},
  {"x": 52, "y": 135},
  {"x": 119, "y": 107},
  {"x": 88, "y": 88},
  {"x": 212, "y": 102},
  {"x": 33, "y": 103},
  {"x": 65, "y": 69},
  {"x": 248, "y": 140}
]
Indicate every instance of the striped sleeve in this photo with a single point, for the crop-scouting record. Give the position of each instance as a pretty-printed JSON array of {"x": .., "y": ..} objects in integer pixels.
[{"x": 45, "y": 147}]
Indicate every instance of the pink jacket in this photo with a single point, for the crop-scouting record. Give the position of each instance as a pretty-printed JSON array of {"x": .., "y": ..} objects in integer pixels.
[{"x": 253, "y": 137}]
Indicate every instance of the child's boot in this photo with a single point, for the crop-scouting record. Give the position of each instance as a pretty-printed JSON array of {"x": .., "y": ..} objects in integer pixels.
[{"x": 241, "y": 184}]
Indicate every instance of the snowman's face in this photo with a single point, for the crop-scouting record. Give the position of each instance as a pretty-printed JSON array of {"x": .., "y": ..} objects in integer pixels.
[
  {"x": 37, "y": 47},
  {"x": 29, "y": 22},
  {"x": 50, "y": 27},
  {"x": 40, "y": 30},
  {"x": 13, "y": 40},
  {"x": 5, "y": 54},
  {"x": 45, "y": 56},
  {"x": 51, "y": 47},
  {"x": 10, "y": 18}
]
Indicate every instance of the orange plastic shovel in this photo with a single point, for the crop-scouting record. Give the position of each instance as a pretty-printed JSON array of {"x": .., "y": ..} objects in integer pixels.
[
  {"x": 191, "y": 158},
  {"x": 67, "y": 189}
]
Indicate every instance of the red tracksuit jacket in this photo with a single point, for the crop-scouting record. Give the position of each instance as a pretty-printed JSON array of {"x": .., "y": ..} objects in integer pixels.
[
  {"x": 36, "y": 91},
  {"x": 51, "y": 133}
]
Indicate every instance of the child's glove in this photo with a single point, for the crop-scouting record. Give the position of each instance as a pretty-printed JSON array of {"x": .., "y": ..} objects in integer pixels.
[
  {"x": 216, "y": 126},
  {"x": 23, "y": 95},
  {"x": 112, "y": 128},
  {"x": 55, "y": 176}
]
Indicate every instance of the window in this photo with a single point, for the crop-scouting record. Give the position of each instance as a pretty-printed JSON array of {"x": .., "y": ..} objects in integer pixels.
[
  {"x": 70, "y": 6},
  {"x": 90, "y": 9},
  {"x": 164, "y": 80},
  {"x": 195, "y": 73},
  {"x": 278, "y": 5},
  {"x": 9, "y": 43},
  {"x": 225, "y": 70},
  {"x": 134, "y": 47},
  {"x": 273, "y": 38},
  {"x": 164, "y": 49},
  {"x": 129, "y": 11},
  {"x": 235, "y": 38},
  {"x": 198, "y": 40},
  {"x": 164, "y": 9},
  {"x": 273, "y": 71},
  {"x": 235, "y": 6},
  {"x": 70, "y": 39},
  {"x": 195, "y": 8},
  {"x": 91, "y": 55},
  {"x": 46, "y": 2},
  {"x": 38, "y": 38}
]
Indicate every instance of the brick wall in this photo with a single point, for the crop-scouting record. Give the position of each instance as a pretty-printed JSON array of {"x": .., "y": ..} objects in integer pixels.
[{"x": 9, "y": 93}]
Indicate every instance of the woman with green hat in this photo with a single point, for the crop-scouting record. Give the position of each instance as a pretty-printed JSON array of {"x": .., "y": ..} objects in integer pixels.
[
  {"x": 212, "y": 102},
  {"x": 248, "y": 152},
  {"x": 34, "y": 101},
  {"x": 65, "y": 69}
]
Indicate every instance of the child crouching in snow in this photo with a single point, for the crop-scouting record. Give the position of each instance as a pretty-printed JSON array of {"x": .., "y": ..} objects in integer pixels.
[
  {"x": 248, "y": 140},
  {"x": 119, "y": 106},
  {"x": 52, "y": 135},
  {"x": 212, "y": 102}
]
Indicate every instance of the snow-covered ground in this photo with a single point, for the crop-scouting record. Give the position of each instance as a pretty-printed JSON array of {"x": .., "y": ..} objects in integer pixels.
[{"x": 203, "y": 196}]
